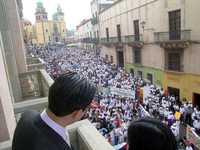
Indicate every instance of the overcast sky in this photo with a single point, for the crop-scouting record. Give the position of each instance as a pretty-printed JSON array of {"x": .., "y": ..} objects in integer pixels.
[{"x": 75, "y": 10}]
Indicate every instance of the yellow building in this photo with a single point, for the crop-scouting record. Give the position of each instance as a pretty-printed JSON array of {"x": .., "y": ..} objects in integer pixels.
[
  {"x": 46, "y": 31},
  {"x": 184, "y": 84}
]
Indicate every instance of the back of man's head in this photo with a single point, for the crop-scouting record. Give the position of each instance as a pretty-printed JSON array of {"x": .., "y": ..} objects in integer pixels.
[
  {"x": 69, "y": 93},
  {"x": 150, "y": 134}
]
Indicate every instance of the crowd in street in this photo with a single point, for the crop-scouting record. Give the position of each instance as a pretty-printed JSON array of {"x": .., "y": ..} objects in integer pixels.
[{"x": 112, "y": 113}]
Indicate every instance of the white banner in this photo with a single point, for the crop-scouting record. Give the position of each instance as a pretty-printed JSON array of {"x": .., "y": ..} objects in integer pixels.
[{"x": 122, "y": 92}]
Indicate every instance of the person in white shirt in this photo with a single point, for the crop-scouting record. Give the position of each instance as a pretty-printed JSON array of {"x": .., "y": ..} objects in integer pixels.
[
  {"x": 196, "y": 125},
  {"x": 189, "y": 147}
]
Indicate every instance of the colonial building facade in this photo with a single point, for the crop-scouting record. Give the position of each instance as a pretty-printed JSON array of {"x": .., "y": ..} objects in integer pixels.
[
  {"x": 85, "y": 34},
  {"x": 88, "y": 29},
  {"x": 158, "y": 40},
  {"x": 96, "y": 7}
]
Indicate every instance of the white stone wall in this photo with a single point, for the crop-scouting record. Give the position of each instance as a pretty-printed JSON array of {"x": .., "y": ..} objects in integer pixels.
[
  {"x": 84, "y": 29},
  {"x": 14, "y": 25},
  {"x": 110, "y": 51},
  {"x": 153, "y": 56},
  {"x": 12, "y": 42},
  {"x": 191, "y": 59}
]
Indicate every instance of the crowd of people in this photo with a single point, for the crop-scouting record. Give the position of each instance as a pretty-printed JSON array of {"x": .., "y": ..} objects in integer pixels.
[
  {"x": 111, "y": 113},
  {"x": 85, "y": 63}
]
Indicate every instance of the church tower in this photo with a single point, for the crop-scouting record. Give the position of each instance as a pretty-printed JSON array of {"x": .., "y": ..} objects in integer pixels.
[
  {"x": 59, "y": 15},
  {"x": 41, "y": 14}
]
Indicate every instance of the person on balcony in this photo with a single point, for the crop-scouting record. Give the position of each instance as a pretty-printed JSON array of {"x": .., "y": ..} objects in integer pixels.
[
  {"x": 68, "y": 100},
  {"x": 150, "y": 134}
]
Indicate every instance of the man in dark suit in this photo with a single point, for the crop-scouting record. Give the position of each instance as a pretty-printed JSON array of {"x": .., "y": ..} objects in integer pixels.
[{"x": 68, "y": 99}]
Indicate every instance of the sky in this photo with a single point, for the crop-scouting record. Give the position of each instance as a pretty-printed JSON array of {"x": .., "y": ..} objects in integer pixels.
[{"x": 75, "y": 10}]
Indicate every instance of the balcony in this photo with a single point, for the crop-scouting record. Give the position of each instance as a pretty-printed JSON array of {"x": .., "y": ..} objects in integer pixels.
[
  {"x": 90, "y": 40},
  {"x": 95, "y": 40},
  {"x": 112, "y": 41},
  {"x": 34, "y": 63},
  {"x": 35, "y": 84},
  {"x": 131, "y": 40},
  {"x": 134, "y": 40},
  {"x": 180, "y": 39},
  {"x": 84, "y": 136}
]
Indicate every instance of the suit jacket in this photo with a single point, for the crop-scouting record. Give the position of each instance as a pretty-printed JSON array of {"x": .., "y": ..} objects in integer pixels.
[{"x": 32, "y": 133}]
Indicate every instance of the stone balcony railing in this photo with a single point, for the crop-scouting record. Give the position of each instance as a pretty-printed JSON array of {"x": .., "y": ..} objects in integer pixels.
[
  {"x": 35, "y": 84},
  {"x": 173, "y": 40},
  {"x": 35, "y": 63},
  {"x": 84, "y": 136},
  {"x": 133, "y": 38},
  {"x": 123, "y": 39},
  {"x": 90, "y": 40},
  {"x": 182, "y": 35}
]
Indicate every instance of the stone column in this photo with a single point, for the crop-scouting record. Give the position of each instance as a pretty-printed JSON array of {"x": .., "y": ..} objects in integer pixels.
[
  {"x": 12, "y": 43},
  {"x": 14, "y": 25},
  {"x": 7, "y": 119}
]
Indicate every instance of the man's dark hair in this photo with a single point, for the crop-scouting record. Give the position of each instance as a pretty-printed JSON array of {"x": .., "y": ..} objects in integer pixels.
[
  {"x": 69, "y": 93},
  {"x": 150, "y": 134}
]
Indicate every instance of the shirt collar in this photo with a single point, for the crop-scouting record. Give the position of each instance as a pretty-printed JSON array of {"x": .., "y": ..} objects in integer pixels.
[{"x": 55, "y": 126}]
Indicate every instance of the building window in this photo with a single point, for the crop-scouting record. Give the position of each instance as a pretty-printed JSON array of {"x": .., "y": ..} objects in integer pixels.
[
  {"x": 175, "y": 25},
  {"x": 96, "y": 14},
  {"x": 90, "y": 34},
  {"x": 111, "y": 59},
  {"x": 136, "y": 30},
  {"x": 137, "y": 55},
  {"x": 107, "y": 34},
  {"x": 132, "y": 72},
  {"x": 174, "y": 61},
  {"x": 97, "y": 34},
  {"x": 150, "y": 77},
  {"x": 119, "y": 33},
  {"x": 140, "y": 74},
  {"x": 106, "y": 56}
]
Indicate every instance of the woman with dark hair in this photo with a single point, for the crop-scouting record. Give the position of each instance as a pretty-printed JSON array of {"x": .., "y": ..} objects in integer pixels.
[{"x": 150, "y": 134}]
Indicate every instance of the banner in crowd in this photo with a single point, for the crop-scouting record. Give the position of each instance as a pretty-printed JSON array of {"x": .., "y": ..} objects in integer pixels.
[
  {"x": 143, "y": 113},
  {"x": 122, "y": 92},
  {"x": 193, "y": 137}
]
